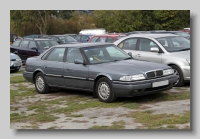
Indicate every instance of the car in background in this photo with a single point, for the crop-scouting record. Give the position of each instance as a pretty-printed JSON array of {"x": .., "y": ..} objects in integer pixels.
[
  {"x": 27, "y": 47},
  {"x": 62, "y": 39},
  {"x": 106, "y": 38},
  {"x": 83, "y": 38},
  {"x": 180, "y": 33},
  {"x": 101, "y": 68},
  {"x": 169, "y": 49},
  {"x": 34, "y": 36},
  {"x": 72, "y": 35},
  {"x": 15, "y": 62},
  {"x": 187, "y": 30},
  {"x": 13, "y": 37},
  {"x": 138, "y": 32}
]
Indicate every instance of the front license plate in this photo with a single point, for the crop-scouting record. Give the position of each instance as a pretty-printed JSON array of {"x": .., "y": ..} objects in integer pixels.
[{"x": 161, "y": 83}]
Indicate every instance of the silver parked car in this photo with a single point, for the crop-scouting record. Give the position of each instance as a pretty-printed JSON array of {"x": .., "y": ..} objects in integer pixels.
[
  {"x": 101, "y": 68},
  {"x": 15, "y": 62},
  {"x": 169, "y": 49}
]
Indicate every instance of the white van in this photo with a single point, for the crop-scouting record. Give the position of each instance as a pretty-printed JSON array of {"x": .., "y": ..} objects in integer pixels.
[{"x": 95, "y": 31}]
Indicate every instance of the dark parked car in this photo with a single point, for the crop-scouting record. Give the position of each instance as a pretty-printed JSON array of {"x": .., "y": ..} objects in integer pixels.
[
  {"x": 25, "y": 48},
  {"x": 101, "y": 68},
  {"x": 34, "y": 36},
  {"x": 72, "y": 35},
  {"x": 106, "y": 38},
  {"x": 62, "y": 39},
  {"x": 83, "y": 38}
]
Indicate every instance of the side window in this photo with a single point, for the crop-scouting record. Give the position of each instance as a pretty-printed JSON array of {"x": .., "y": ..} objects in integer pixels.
[
  {"x": 72, "y": 54},
  {"x": 109, "y": 39},
  {"x": 146, "y": 45},
  {"x": 56, "y": 55},
  {"x": 78, "y": 38},
  {"x": 163, "y": 42},
  {"x": 102, "y": 39},
  {"x": 114, "y": 52},
  {"x": 24, "y": 44},
  {"x": 32, "y": 44},
  {"x": 54, "y": 38},
  {"x": 16, "y": 43},
  {"x": 94, "y": 39},
  {"x": 84, "y": 38},
  {"x": 129, "y": 44}
]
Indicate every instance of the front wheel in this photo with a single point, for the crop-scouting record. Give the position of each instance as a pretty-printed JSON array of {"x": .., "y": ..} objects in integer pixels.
[
  {"x": 177, "y": 71},
  {"x": 105, "y": 91},
  {"x": 40, "y": 84}
]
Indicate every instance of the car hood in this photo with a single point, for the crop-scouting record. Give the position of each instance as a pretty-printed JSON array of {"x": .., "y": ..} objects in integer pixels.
[
  {"x": 130, "y": 67},
  {"x": 182, "y": 54},
  {"x": 14, "y": 56}
]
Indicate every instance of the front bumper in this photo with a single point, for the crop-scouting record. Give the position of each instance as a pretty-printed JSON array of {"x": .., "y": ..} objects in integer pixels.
[
  {"x": 186, "y": 72},
  {"x": 15, "y": 65},
  {"x": 139, "y": 88}
]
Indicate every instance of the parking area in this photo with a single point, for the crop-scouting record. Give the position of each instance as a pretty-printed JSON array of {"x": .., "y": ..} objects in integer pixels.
[{"x": 68, "y": 109}]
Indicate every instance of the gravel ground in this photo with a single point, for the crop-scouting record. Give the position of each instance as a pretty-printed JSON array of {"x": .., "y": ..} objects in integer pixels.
[{"x": 99, "y": 116}]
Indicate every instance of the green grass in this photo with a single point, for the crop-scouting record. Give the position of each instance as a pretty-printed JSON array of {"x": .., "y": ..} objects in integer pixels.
[
  {"x": 163, "y": 96},
  {"x": 154, "y": 121},
  {"x": 115, "y": 125},
  {"x": 17, "y": 79}
]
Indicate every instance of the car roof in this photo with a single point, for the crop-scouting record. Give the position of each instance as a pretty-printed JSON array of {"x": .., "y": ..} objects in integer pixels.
[
  {"x": 80, "y": 45},
  {"x": 36, "y": 39},
  {"x": 157, "y": 35},
  {"x": 107, "y": 35},
  {"x": 59, "y": 35}
]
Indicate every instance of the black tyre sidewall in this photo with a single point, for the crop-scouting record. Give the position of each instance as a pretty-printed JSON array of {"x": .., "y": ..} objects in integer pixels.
[
  {"x": 112, "y": 96},
  {"x": 181, "y": 80},
  {"x": 46, "y": 87}
]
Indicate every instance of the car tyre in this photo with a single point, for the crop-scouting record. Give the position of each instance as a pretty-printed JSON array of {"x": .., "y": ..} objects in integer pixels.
[
  {"x": 177, "y": 71},
  {"x": 105, "y": 91},
  {"x": 40, "y": 84}
]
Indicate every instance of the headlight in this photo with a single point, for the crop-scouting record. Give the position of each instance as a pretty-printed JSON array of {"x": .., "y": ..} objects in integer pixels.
[
  {"x": 11, "y": 63},
  {"x": 168, "y": 72},
  {"x": 132, "y": 77},
  {"x": 188, "y": 60},
  {"x": 18, "y": 59}
]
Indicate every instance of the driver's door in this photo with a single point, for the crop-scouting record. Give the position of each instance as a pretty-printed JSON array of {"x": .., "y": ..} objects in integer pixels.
[{"x": 76, "y": 75}]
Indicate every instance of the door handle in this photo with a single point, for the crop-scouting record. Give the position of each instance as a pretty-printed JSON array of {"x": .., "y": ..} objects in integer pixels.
[
  {"x": 138, "y": 55},
  {"x": 45, "y": 67}
]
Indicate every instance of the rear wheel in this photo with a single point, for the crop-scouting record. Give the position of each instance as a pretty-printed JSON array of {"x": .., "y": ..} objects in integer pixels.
[
  {"x": 105, "y": 91},
  {"x": 40, "y": 84},
  {"x": 178, "y": 72}
]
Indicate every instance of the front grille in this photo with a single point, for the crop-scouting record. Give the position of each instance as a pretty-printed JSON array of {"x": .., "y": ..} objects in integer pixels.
[{"x": 154, "y": 74}]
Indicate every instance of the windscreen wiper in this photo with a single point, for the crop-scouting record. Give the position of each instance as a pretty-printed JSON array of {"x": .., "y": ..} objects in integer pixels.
[{"x": 128, "y": 58}]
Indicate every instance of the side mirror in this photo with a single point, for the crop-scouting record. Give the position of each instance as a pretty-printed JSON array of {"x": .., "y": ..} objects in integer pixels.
[
  {"x": 155, "y": 49},
  {"x": 34, "y": 48},
  {"x": 78, "y": 61},
  {"x": 130, "y": 54}
]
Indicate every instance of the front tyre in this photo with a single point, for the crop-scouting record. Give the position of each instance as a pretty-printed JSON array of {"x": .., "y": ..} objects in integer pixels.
[
  {"x": 105, "y": 91},
  {"x": 177, "y": 71},
  {"x": 40, "y": 84}
]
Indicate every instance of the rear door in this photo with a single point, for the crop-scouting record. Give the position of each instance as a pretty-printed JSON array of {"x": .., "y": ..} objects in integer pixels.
[
  {"x": 129, "y": 45},
  {"x": 52, "y": 66},
  {"x": 23, "y": 50}
]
